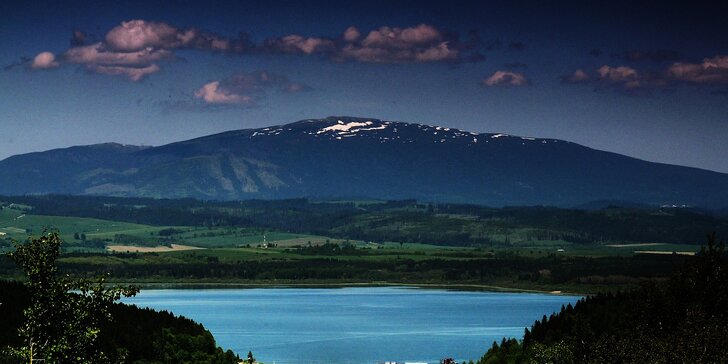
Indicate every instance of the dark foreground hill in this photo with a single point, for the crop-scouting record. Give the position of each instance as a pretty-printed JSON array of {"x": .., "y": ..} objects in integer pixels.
[
  {"x": 681, "y": 320},
  {"x": 344, "y": 157},
  {"x": 140, "y": 335}
]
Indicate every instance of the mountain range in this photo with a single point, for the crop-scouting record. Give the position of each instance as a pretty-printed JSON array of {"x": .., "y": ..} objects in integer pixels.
[{"x": 360, "y": 158}]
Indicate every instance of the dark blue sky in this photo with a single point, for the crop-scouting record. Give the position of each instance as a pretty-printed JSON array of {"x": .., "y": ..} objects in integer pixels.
[{"x": 645, "y": 79}]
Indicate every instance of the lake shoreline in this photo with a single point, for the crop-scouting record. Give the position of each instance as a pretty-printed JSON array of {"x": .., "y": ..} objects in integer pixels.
[{"x": 450, "y": 287}]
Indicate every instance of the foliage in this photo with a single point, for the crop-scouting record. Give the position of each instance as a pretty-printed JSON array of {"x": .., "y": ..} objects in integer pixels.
[
  {"x": 400, "y": 221},
  {"x": 683, "y": 320},
  {"x": 64, "y": 315},
  {"x": 134, "y": 336}
]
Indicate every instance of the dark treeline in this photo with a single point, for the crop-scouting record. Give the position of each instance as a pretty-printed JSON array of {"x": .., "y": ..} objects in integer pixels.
[
  {"x": 682, "y": 320},
  {"x": 141, "y": 336},
  {"x": 404, "y": 221},
  {"x": 333, "y": 263}
]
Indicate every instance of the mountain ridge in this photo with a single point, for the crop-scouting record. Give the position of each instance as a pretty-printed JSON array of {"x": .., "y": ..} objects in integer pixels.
[{"x": 351, "y": 157}]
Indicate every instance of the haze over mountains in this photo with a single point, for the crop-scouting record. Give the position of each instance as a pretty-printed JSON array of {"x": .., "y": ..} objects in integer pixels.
[{"x": 358, "y": 158}]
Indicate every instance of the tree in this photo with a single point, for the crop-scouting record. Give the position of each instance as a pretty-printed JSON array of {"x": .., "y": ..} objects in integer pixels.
[{"x": 62, "y": 322}]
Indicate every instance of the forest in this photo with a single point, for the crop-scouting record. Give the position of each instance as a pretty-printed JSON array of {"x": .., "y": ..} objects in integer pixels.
[
  {"x": 680, "y": 320},
  {"x": 53, "y": 317},
  {"x": 405, "y": 221}
]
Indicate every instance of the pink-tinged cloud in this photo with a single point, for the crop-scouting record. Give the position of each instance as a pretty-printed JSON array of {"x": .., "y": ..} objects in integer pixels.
[
  {"x": 351, "y": 34},
  {"x": 44, "y": 60},
  {"x": 710, "y": 71},
  {"x": 506, "y": 78},
  {"x": 620, "y": 78},
  {"x": 135, "y": 35},
  {"x": 244, "y": 89},
  {"x": 617, "y": 74},
  {"x": 133, "y": 73},
  {"x": 212, "y": 93},
  {"x": 97, "y": 54},
  {"x": 423, "y": 43},
  {"x": 295, "y": 87},
  {"x": 297, "y": 44},
  {"x": 623, "y": 76},
  {"x": 386, "y": 37},
  {"x": 577, "y": 77}
]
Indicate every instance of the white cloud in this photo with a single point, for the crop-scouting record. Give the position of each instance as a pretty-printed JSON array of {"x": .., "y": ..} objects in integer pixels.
[
  {"x": 506, "y": 78},
  {"x": 44, "y": 60},
  {"x": 712, "y": 70},
  {"x": 133, "y": 73},
  {"x": 246, "y": 88},
  {"x": 212, "y": 93}
]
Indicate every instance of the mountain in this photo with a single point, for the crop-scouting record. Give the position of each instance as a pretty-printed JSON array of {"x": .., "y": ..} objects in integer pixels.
[{"x": 357, "y": 158}]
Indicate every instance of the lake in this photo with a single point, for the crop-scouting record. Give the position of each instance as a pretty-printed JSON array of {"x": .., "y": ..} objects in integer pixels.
[{"x": 355, "y": 325}]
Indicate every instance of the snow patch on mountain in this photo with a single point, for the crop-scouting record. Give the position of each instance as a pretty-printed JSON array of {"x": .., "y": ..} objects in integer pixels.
[{"x": 351, "y": 127}]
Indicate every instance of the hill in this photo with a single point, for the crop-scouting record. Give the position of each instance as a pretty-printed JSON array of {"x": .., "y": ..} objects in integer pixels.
[{"x": 350, "y": 158}]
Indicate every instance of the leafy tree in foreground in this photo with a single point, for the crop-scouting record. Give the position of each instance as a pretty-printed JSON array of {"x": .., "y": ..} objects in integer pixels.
[{"x": 63, "y": 319}]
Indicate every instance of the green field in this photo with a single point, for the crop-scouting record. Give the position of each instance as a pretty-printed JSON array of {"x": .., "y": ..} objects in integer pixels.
[{"x": 18, "y": 225}]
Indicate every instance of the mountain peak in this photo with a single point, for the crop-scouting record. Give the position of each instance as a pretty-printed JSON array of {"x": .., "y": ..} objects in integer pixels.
[{"x": 354, "y": 157}]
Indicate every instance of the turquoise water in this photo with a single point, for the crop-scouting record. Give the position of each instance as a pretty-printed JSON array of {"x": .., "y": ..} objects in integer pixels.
[{"x": 355, "y": 325}]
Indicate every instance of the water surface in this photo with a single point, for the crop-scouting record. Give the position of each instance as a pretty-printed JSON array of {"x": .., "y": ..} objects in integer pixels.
[{"x": 355, "y": 325}]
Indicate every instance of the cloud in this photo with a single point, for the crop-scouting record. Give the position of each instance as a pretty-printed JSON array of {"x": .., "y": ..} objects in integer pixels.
[
  {"x": 133, "y": 73},
  {"x": 143, "y": 46},
  {"x": 44, "y": 60},
  {"x": 297, "y": 44},
  {"x": 135, "y": 35},
  {"x": 711, "y": 71},
  {"x": 98, "y": 53},
  {"x": 419, "y": 44},
  {"x": 506, "y": 78},
  {"x": 619, "y": 78},
  {"x": 246, "y": 89},
  {"x": 627, "y": 76},
  {"x": 135, "y": 65},
  {"x": 578, "y": 76},
  {"x": 135, "y": 48},
  {"x": 352, "y": 34},
  {"x": 212, "y": 93},
  {"x": 423, "y": 43}
]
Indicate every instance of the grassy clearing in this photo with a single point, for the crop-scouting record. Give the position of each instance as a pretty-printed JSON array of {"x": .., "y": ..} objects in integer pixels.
[
  {"x": 150, "y": 249},
  {"x": 18, "y": 225}
]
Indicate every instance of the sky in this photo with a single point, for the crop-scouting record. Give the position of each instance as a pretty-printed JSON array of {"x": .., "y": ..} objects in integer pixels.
[{"x": 641, "y": 78}]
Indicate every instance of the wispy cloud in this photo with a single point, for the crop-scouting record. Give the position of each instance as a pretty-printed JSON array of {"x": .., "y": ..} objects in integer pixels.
[
  {"x": 506, "y": 78},
  {"x": 135, "y": 48},
  {"x": 246, "y": 89},
  {"x": 133, "y": 73},
  {"x": 619, "y": 78},
  {"x": 711, "y": 71},
  {"x": 419, "y": 44},
  {"x": 138, "y": 48}
]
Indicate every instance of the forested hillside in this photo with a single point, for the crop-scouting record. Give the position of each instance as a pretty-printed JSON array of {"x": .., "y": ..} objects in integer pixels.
[
  {"x": 682, "y": 320},
  {"x": 406, "y": 221}
]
